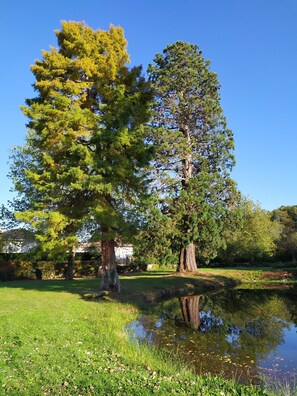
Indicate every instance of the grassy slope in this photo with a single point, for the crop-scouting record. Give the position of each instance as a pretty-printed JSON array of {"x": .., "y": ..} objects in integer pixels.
[{"x": 54, "y": 342}]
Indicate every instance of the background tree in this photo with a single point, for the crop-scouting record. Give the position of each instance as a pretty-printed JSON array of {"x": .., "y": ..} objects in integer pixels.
[
  {"x": 84, "y": 142},
  {"x": 255, "y": 239},
  {"x": 287, "y": 243},
  {"x": 194, "y": 151},
  {"x": 155, "y": 243}
]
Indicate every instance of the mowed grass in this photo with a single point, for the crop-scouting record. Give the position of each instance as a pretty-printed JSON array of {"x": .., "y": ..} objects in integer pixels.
[
  {"x": 250, "y": 275},
  {"x": 54, "y": 342}
]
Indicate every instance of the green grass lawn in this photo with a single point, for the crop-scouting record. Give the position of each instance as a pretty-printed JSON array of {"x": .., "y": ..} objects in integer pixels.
[
  {"x": 252, "y": 275},
  {"x": 54, "y": 342}
]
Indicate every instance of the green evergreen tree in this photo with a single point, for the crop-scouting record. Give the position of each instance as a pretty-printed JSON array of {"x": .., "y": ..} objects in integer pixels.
[
  {"x": 85, "y": 143},
  {"x": 194, "y": 152}
]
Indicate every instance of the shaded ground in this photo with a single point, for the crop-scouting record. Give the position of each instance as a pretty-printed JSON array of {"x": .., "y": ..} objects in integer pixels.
[{"x": 145, "y": 287}]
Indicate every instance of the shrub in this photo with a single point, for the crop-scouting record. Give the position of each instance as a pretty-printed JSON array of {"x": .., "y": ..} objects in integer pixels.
[{"x": 21, "y": 269}]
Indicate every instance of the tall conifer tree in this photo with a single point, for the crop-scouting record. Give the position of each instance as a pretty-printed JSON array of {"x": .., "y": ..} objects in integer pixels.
[
  {"x": 84, "y": 142},
  {"x": 194, "y": 151}
]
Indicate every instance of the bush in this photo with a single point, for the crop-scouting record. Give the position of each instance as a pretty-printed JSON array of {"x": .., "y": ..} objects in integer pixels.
[
  {"x": 50, "y": 269},
  {"x": 25, "y": 270},
  {"x": 28, "y": 269},
  {"x": 7, "y": 270},
  {"x": 123, "y": 268},
  {"x": 86, "y": 268},
  {"x": 11, "y": 270}
]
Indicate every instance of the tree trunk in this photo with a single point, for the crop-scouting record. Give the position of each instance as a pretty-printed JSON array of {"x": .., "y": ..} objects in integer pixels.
[
  {"x": 187, "y": 259},
  {"x": 187, "y": 162},
  {"x": 190, "y": 310},
  {"x": 70, "y": 266},
  {"x": 110, "y": 279}
]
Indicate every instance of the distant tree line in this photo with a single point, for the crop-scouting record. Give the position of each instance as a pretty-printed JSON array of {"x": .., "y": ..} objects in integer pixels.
[{"x": 263, "y": 236}]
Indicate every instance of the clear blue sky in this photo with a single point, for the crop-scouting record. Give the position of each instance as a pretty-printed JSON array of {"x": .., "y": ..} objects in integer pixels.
[{"x": 252, "y": 46}]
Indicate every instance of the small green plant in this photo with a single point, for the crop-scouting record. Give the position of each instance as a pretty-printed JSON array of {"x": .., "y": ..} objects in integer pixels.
[{"x": 277, "y": 387}]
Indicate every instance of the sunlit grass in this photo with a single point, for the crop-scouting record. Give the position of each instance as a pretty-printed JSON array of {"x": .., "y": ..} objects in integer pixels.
[
  {"x": 54, "y": 342},
  {"x": 253, "y": 274}
]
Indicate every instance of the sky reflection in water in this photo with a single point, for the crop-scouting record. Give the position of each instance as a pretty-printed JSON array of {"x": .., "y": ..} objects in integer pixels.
[{"x": 241, "y": 334}]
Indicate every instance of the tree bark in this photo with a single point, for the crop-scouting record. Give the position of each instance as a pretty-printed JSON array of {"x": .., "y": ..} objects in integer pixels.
[
  {"x": 187, "y": 162},
  {"x": 70, "y": 266},
  {"x": 110, "y": 279},
  {"x": 187, "y": 259},
  {"x": 190, "y": 310}
]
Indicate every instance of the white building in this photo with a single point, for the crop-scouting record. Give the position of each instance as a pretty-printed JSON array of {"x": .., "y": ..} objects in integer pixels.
[
  {"x": 123, "y": 252},
  {"x": 17, "y": 240},
  {"x": 21, "y": 241}
]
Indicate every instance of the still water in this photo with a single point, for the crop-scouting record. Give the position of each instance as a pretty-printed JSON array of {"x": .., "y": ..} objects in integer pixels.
[{"x": 241, "y": 334}]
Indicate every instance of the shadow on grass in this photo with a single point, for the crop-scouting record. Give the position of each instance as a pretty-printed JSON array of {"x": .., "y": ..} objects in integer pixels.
[{"x": 140, "y": 289}]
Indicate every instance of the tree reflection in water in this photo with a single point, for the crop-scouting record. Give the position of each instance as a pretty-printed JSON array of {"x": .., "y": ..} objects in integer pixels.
[
  {"x": 190, "y": 310},
  {"x": 238, "y": 333}
]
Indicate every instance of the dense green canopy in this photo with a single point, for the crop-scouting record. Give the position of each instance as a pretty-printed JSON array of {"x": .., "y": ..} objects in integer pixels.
[{"x": 194, "y": 152}]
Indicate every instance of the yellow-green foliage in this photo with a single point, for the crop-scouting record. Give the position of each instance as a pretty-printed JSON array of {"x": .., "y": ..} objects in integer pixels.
[
  {"x": 257, "y": 236},
  {"x": 50, "y": 225},
  {"x": 84, "y": 141}
]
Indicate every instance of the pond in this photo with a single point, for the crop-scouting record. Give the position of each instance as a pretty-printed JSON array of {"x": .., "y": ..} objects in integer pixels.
[{"x": 241, "y": 334}]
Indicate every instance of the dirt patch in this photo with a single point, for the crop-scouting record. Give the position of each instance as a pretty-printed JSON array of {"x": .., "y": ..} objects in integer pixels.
[{"x": 280, "y": 275}]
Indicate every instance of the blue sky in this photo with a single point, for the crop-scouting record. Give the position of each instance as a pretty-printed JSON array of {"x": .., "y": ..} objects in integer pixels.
[{"x": 252, "y": 46}]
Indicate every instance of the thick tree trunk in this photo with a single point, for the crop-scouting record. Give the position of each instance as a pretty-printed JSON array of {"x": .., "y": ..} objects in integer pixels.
[
  {"x": 190, "y": 310},
  {"x": 110, "y": 279},
  {"x": 187, "y": 259},
  {"x": 70, "y": 266}
]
